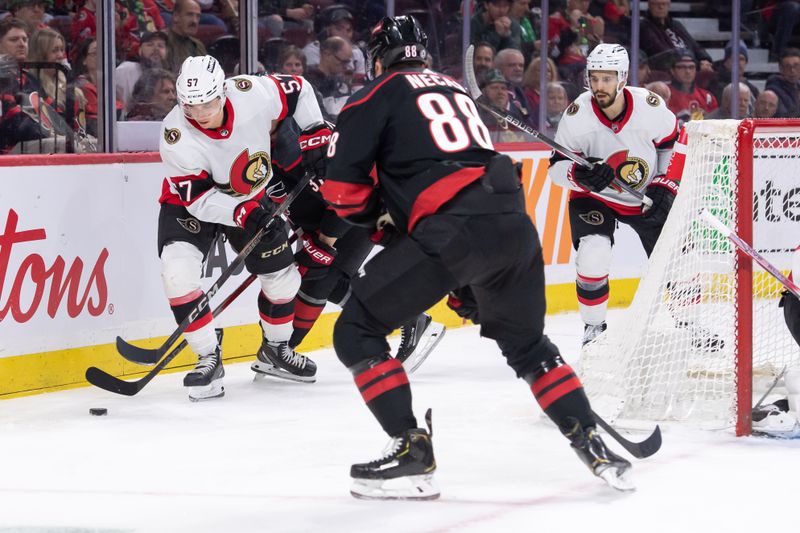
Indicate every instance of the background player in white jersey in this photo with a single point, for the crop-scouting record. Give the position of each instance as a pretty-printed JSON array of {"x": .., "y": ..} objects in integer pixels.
[
  {"x": 629, "y": 133},
  {"x": 216, "y": 148}
]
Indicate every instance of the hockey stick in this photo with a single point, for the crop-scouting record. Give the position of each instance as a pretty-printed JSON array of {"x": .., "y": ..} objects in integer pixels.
[
  {"x": 475, "y": 93},
  {"x": 144, "y": 356},
  {"x": 640, "y": 450},
  {"x": 717, "y": 224},
  {"x": 104, "y": 380},
  {"x": 771, "y": 387}
]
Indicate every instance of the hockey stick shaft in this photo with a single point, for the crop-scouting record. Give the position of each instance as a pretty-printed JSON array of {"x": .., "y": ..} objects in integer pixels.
[
  {"x": 717, "y": 224},
  {"x": 104, "y": 380},
  {"x": 475, "y": 92},
  {"x": 771, "y": 387},
  {"x": 640, "y": 450},
  {"x": 126, "y": 348}
]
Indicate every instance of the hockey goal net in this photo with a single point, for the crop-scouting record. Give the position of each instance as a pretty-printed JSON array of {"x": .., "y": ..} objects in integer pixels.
[{"x": 704, "y": 335}]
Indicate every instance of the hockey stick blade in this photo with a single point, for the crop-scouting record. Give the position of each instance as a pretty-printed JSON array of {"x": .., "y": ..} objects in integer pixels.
[
  {"x": 144, "y": 356},
  {"x": 104, "y": 380},
  {"x": 640, "y": 450},
  {"x": 475, "y": 92}
]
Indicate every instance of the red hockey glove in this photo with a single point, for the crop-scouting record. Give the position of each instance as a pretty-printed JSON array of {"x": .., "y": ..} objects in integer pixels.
[
  {"x": 314, "y": 258},
  {"x": 313, "y": 147},
  {"x": 596, "y": 178},
  {"x": 252, "y": 215},
  {"x": 662, "y": 192},
  {"x": 463, "y": 302}
]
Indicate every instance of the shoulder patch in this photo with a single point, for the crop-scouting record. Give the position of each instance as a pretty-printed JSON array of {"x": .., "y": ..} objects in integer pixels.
[
  {"x": 243, "y": 84},
  {"x": 172, "y": 135},
  {"x": 653, "y": 99},
  {"x": 572, "y": 109}
]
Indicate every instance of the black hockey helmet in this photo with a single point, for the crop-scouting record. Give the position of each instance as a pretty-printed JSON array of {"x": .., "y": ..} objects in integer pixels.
[{"x": 397, "y": 40}]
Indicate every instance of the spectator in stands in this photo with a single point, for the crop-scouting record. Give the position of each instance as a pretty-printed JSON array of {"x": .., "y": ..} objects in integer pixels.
[
  {"x": 31, "y": 12},
  {"x": 723, "y": 71},
  {"x": 292, "y": 61},
  {"x": 662, "y": 37},
  {"x": 661, "y": 89},
  {"x": 131, "y": 17},
  {"x": 181, "y": 40},
  {"x": 47, "y": 45},
  {"x": 329, "y": 77},
  {"x": 337, "y": 21},
  {"x": 14, "y": 39},
  {"x": 617, "y": 14},
  {"x": 15, "y": 125},
  {"x": 492, "y": 24},
  {"x": 766, "y": 105},
  {"x": 557, "y": 102},
  {"x": 520, "y": 13},
  {"x": 688, "y": 101},
  {"x": 511, "y": 65},
  {"x": 274, "y": 14},
  {"x": 482, "y": 59},
  {"x": 724, "y": 109},
  {"x": 494, "y": 89},
  {"x": 530, "y": 84},
  {"x": 783, "y": 18},
  {"x": 153, "y": 96},
  {"x": 787, "y": 84},
  {"x": 644, "y": 73},
  {"x": 152, "y": 54},
  {"x": 86, "y": 81},
  {"x": 594, "y": 28}
]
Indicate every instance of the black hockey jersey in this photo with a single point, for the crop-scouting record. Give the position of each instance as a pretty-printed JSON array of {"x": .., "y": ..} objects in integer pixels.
[{"x": 421, "y": 131}]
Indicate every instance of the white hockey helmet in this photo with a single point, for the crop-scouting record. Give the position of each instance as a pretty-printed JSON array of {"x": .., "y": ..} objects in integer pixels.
[
  {"x": 610, "y": 57},
  {"x": 201, "y": 80}
]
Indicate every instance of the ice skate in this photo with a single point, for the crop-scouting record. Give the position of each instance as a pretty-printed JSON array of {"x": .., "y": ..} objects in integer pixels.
[
  {"x": 603, "y": 463},
  {"x": 277, "y": 359},
  {"x": 405, "y": 472},
  {"x": 418, "y": 338},
  {"x": 776, "y": 420},
  {"x": 205, "y": 381},
  {"x": 591, "y": 332}
]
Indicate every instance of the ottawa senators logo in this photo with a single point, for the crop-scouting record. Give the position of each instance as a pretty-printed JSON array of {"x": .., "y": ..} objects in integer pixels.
[
  {"x": 632, "y": 170},
  {"x": 172, "y": 135},
  {"x": 572, "y": 109},
  {"x": 595, "y": 218},
  {"x": 243, "y": 84},
  {"x": 249, "y": 172},
  {"x": 192, "y": 225},
  {"x": 653, "y": 99}
]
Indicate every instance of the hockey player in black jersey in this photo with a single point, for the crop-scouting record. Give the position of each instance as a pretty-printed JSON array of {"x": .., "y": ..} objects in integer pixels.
[
  {"x": 458, "y": 211},
  {"x": 331, "y": 253}
]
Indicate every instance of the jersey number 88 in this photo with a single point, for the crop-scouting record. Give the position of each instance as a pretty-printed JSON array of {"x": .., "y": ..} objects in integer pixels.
[{"x": 448, "y": 128}]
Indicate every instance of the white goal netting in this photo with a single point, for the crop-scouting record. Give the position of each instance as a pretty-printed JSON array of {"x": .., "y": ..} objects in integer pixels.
[{"x": 682, "y": 351}]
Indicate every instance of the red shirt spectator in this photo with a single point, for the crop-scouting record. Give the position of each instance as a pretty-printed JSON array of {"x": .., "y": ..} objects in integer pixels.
[
  {"x": 688, "y": 101},
  {"x": 129, "y": 24}
]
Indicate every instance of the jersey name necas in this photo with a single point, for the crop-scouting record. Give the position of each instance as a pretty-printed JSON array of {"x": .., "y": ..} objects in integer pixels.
[
  {"x": 630, "y": 144},
  {"x": 211, "y": 171}
]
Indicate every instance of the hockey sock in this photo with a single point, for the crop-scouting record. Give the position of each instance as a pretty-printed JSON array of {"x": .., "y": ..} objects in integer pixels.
[
  {"x": 560, "y": 393},
  {"x": 383, "y": 384},
  {"x": 276, "y": 318},
  {"x": 310, "y": 302},
  {"x": 592, "y": 298},
  {"x": 200, "y": 333}
]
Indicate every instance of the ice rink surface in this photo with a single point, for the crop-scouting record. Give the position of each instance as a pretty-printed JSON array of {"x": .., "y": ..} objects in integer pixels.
[{"x": 274, "y": 456}]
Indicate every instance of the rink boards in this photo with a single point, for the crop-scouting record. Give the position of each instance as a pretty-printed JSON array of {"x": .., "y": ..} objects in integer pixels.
[{"x": 79, "y": 267}]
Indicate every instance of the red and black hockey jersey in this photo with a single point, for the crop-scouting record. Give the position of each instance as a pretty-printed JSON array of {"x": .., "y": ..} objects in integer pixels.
[{"x": 422, "y": 132}]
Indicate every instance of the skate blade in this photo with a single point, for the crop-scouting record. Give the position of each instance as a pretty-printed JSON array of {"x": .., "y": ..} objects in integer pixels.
[
  {"x": 430, "y": 338},
  {"x": 402, "y": 488},
  {"x": 263, "y": 370},
  {"x": 616, "y": 479},
  {"x": 215, "y": 389}
]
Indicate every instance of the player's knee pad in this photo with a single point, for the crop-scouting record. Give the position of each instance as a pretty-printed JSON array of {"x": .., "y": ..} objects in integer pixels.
[
  {"x": 525, "y": 358},
  {"x": 181, "y": 269},
  {"x": 593, "y": 260},
  {"x": 357, "y": 336},
  {"x": 282, "y": 285}
]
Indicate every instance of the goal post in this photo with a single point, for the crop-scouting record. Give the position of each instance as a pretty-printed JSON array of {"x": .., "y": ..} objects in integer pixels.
[{"x": 704, "y": 333}]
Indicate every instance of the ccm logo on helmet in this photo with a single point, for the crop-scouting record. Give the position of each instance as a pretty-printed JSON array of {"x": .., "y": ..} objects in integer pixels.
[{"x": 314, "y": 142}]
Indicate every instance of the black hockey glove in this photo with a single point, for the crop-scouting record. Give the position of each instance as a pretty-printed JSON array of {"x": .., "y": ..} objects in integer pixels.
[
  {"x": 463, "y": 302},
  {"x": 791, "y": 313},
  {"x": 314, "y": 147},
  {"x": 596, "y": 178},
  {"x": 314, "y": 258},
  {"x": 662, "y": 192},
  {"x": 252, "y": 215}
]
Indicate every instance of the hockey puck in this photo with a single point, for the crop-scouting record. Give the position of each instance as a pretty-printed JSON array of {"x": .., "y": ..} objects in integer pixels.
[{"x": 98, "y": 411}]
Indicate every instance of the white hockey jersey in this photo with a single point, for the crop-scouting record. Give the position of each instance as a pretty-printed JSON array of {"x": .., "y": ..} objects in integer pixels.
[
  {"x": 637, "y": 145},
  {"x": 210, "y": 172}
]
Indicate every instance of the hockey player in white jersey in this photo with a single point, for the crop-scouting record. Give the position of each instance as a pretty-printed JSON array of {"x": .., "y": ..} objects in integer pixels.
[
  {"x": 216, "y": 147},
  {"x": 629, "y": 133}
]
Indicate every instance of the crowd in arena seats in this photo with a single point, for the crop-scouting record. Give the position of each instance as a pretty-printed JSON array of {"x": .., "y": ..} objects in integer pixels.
[{"x": 48, "y": 56}]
